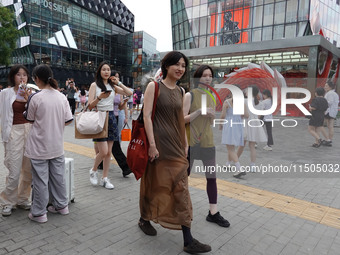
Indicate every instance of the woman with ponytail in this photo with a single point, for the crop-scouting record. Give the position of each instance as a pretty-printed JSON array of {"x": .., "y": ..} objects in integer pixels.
[{"x": 49, "y": 111}]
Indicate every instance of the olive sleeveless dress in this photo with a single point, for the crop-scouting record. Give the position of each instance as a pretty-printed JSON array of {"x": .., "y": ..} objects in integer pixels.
[{"x": 164, "y": 193}]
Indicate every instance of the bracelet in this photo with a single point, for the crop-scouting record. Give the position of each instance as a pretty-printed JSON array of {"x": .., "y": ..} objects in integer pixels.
[
  {"x": 98, "y": 98},
  {"x": 119, "y": 83}
]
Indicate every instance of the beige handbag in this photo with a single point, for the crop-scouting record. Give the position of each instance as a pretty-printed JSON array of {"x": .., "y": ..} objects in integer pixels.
[
  {"x": 103, "y": 134},
  {"x": 91, "y": 124}
]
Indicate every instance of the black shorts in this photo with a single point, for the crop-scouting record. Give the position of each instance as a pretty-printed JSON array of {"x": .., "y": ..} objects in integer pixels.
[
  {"x": 329, "y": 117},
  {"x": 112, "y": 130},
  {"x": 316, "y": 122}
]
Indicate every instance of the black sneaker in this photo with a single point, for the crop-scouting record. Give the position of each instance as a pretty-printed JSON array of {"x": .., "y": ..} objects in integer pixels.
[
  {"x": 146, "y": 227},
  {"x": 218, "y": 219},
  {"x": 196, "y": 247},
  {"x": 327, "y": 143},
  {"x": 126, "y": 172}
]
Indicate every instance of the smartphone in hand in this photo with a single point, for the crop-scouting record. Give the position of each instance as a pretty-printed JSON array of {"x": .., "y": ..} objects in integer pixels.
[
  {"x": 107, "y": 91},
  {"x": 21, "y": 89}
]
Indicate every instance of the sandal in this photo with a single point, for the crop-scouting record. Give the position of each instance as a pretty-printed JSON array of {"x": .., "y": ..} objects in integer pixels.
[{"x": 317, "y": 145}]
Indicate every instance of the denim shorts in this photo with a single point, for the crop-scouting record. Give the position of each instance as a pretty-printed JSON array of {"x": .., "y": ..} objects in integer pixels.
[{"x": 112, "y": 130}]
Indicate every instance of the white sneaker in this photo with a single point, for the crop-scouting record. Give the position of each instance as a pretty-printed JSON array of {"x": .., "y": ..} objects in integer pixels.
[
  {"x": 7, "y": 210},
  {"x": 106, "y": 183},
  {"x": 253, "y": 169},
  {"x": 93, "y": 177},
  {"x": 239, "y": 174},
  {"x": 267, "y": 148}
]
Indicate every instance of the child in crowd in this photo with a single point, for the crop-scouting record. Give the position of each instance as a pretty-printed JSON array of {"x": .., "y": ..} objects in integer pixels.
[{"x": 49, "y": 112}]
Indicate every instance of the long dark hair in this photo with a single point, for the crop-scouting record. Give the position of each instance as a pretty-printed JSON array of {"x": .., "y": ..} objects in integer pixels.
[
  {"x": 99, "y": 79},
  {"x": 14, "y": 70},
  {"x": 199, "y": 72},
  {"x": 172, "y": 58},
  {"x": 45, "y": 74},
  {"x": 267, "y": 93}
]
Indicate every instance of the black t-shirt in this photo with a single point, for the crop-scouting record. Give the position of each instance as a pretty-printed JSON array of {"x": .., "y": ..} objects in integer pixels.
[{"x": 320, "y": 104}]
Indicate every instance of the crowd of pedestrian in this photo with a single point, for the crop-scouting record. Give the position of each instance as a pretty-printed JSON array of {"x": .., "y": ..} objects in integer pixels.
[{"x": 32, "y": 128}]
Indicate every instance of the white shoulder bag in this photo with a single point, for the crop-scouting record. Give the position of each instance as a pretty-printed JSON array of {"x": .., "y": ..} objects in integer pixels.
[{"x": 90, "y": 122}]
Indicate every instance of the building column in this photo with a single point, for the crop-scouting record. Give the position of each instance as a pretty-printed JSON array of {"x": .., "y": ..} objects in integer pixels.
[{"x": 312, "y": 69}]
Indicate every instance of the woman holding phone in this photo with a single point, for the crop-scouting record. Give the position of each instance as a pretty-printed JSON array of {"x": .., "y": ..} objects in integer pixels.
[
  {"x": 14, "y": 133},
  {"x": 101, "y": 96}
]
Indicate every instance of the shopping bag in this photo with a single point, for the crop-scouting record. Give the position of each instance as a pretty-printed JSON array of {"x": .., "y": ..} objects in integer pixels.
[
  {"x": 126, "y": 133},
  {"x": 137, "y": 152}
]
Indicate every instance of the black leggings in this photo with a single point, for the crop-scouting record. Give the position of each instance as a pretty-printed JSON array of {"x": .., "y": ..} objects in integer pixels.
[
  {"x": 207, "y": 155},
  {"x": 119, "y": 155},
  {"x": 269, "y": 132},
  {"x": 72, "y": 103}
]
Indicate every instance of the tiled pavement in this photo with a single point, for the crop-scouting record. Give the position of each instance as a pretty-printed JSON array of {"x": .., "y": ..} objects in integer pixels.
[{"x": 105, "y": 222}]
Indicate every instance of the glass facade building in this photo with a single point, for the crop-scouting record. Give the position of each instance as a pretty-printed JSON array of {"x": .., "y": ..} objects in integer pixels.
[
  {"x": 208, "y": 23},
  {"x": 329, "y": 11},
  {"x": 74, "y": 36},
  {"x": 145, "y": 57},
  {"x": 298, "y": 38}
]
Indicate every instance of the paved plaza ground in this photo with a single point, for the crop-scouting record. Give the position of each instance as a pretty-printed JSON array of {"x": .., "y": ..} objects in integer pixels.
[{"x": 273, "y": 214}]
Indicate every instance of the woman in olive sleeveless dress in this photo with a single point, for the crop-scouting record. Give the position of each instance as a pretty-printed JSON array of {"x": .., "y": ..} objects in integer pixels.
[{"x": 164, "y": 193}]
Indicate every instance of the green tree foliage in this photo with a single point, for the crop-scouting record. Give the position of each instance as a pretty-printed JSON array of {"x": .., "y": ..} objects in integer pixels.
[{"x": 8, "y": 35}]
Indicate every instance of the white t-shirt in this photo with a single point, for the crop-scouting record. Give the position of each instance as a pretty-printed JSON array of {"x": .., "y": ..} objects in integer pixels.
[
  {"x": 267, "y": 104},
  {"x": 49, "y": 110},
  {"x": 333, "y": 102},
  {"x": 105, "y": 104}
]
